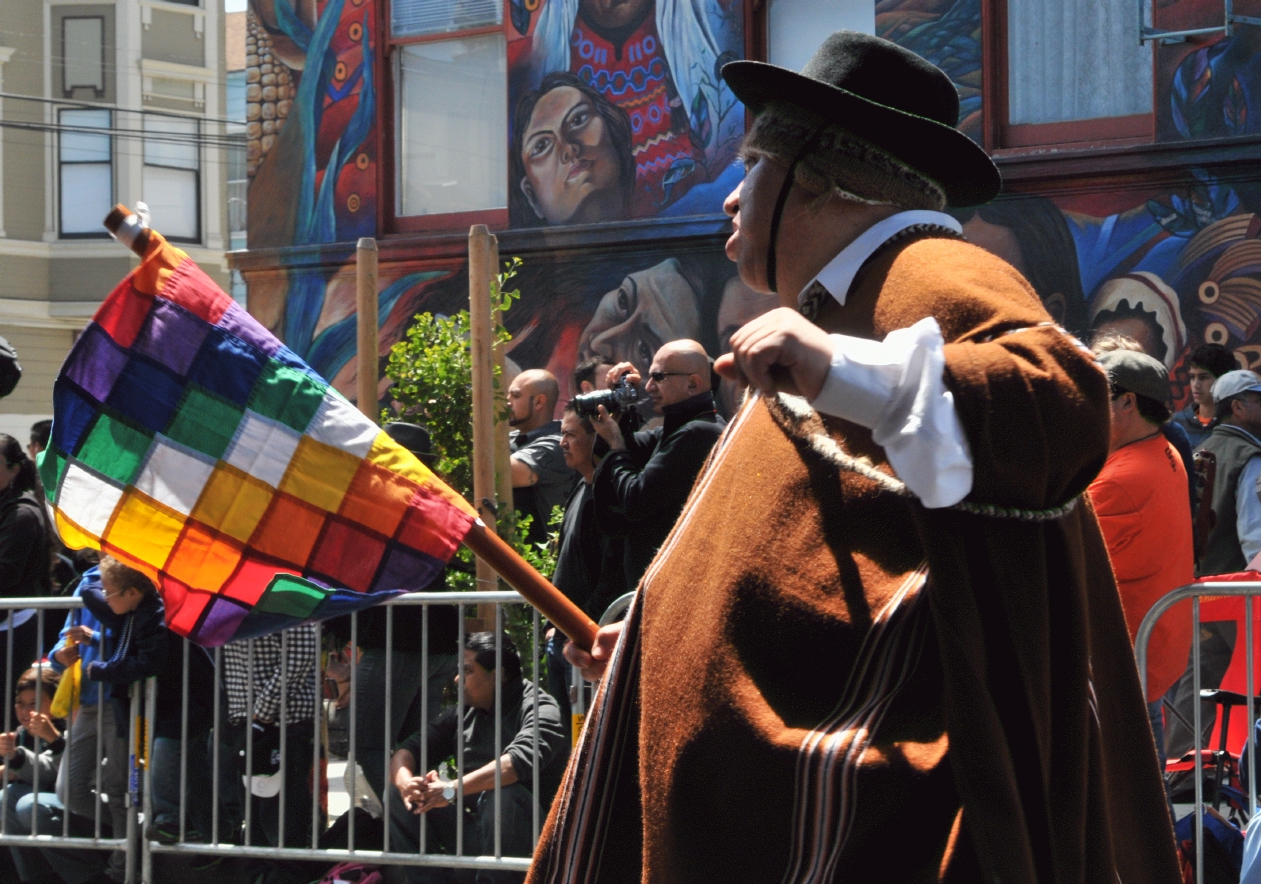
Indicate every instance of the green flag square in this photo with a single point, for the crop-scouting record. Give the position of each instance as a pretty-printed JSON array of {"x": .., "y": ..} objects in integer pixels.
[
  {"x": 291, "y": 596},
  {"x": 115, "y": 449},
  {"x": 286, "y": 395},
  {"x": 52, "y": 466},
  {"x": 205, "y": 422}
]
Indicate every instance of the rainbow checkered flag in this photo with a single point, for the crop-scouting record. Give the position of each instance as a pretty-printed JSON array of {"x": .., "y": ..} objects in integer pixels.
[{"x": 189, "y": 443}]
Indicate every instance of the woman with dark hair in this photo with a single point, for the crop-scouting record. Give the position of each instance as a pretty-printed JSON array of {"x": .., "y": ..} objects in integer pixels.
[
  {"x": 24, "y": 548},
  {"x": 571, "y": 156}
]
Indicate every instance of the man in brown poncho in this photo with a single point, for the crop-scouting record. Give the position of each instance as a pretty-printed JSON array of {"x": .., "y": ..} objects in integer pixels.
[{"x": 883, "y": 641}]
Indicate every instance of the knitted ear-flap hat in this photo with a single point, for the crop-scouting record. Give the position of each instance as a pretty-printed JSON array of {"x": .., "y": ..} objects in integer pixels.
[{"x": 885, "y": 95}]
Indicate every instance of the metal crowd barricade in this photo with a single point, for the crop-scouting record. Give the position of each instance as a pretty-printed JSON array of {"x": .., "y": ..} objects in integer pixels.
[
  {"x": 1248, "y": 590},
  {"x": 389, "y": 855},
  {"x": 42, "y": 793},
  {"x": 140, "y": 852}
]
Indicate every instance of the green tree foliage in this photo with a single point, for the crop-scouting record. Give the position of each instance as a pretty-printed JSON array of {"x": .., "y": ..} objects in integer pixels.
[{"x": 431, "y": 376}]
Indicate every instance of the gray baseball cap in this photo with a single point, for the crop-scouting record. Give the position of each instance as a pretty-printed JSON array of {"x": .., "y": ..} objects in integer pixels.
[
  {"x": 1137, "y": 373},
  {"x": 1232, "y": 383}
]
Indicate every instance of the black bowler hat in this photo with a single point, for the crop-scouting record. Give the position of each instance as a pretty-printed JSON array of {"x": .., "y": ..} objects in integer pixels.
[
  {"x": 414, "y": 438},
  {"x": 886, "y": 95}
]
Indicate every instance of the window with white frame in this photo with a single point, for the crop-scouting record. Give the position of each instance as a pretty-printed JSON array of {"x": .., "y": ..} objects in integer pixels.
[
  {"x": 86, "y": 175},
  {"x": 83, "y": 54},
  {"x": 451, "y": 149},
  {"x": 172, "y": 179}
]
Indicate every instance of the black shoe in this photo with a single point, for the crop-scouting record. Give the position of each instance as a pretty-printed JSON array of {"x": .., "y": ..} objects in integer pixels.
[{"x": 162, "y": 832}]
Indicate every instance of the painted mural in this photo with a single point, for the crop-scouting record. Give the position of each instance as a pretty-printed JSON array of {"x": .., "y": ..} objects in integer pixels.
[
  {"x": 617, "y": 112},
  {"x": 618, "y": 109}
]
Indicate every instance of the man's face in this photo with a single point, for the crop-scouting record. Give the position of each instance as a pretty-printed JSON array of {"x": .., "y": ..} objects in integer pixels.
[
  {"x": 751, "y": 206},
  {"x": 520, "y": 403},
  {"x": 33, "y": 448},
  {"x": 670, "y": 389},
  {"x": 1202, "y": 386},
  {"x": 649, "y": 308},
  {"x": 571, "y": 165},
  {"x": 575, "y": 442},
  {"x": 479, "y": 683},
  {"x": 1246, "y": 412}
]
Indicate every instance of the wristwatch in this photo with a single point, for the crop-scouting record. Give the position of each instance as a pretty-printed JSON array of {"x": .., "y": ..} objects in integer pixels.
[{"x": 448, "y": 791}]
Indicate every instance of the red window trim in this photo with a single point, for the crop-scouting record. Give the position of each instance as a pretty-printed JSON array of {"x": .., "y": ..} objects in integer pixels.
[
  {"x": 999, "y": 136},
  {"x": 388, "y": 221}
]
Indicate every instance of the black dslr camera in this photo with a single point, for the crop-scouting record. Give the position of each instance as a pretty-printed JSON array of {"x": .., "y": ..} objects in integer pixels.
[{"x": 618, "y": 397}]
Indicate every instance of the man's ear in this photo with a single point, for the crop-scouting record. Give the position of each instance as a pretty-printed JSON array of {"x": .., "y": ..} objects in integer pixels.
[
  {"x": 693, "y": 383},
  {"x": 528, "y": 189}
]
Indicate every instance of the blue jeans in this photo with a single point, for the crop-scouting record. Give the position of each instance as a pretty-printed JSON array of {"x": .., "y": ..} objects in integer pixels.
[
  {"x": 166, "y": 785},
  {"x": 72, "y": 866},
  {"x": 558, "y": 678},
  {"x": 27, "y": 860}
]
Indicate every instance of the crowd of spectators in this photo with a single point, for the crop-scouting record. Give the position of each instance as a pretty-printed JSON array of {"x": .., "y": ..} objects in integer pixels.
[{"x": 607, "y": 486}]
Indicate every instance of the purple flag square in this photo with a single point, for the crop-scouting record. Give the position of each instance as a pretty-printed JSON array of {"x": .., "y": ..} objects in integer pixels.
[
  {"x": 406, "y": 569},
  {"x": 171, "y": 335},
  {"x": 95, "y": 363},
  {"x": 248, "y": 329},
  {"x": 219, "y": 623}
]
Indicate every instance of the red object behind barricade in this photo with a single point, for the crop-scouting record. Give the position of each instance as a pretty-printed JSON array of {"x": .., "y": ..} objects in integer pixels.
[{"x": 1232, "y": 608}]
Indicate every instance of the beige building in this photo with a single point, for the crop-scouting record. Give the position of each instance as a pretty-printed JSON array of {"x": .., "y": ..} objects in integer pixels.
[{"x": 100, "y": 103}]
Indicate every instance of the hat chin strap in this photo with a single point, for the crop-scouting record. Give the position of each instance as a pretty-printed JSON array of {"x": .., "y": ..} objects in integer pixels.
[{"x": 783, "y": 200}]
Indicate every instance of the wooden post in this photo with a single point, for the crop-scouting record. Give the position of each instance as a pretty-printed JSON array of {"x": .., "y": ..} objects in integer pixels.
[
  {"x": 481, "y": 331},
  {"x": 369, "y": 358},
  {"x": 503, "y": 464}
]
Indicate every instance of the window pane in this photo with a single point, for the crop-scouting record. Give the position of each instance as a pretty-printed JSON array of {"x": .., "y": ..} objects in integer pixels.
[
  {"x": 411, "y": 18},
  {"x": 170, "y": 141},
  {"x": 453, "y": 112},
  {"x": 795, "y": 27},
  {"x": 83, "y": 53},
  {"x": 172, "y": 198},
  {"x": 1076, "y": 60},
  {"x": 80, "y": 147},
  {"x": 86, "y": 197}
]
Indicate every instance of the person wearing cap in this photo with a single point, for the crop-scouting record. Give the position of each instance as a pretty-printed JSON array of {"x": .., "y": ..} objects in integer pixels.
[
  {"x": 883, "y": 639},
  {"x": 1140, "y": 500},
  {"x": 1233, "y": 541},
  {"x": 1236, "y": 442}
]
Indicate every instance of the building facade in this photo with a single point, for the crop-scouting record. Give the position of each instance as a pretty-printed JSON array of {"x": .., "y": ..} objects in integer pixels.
[
  {"x": 598, "y": 141},
  {"x": 100, "y": 103}
]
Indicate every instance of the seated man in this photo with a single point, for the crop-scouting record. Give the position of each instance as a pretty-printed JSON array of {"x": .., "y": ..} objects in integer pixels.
[{"x": 433, "y": 795}]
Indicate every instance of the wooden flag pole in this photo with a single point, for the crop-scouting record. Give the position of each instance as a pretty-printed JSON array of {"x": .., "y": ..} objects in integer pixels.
[
  {"x": 369, "y": 359},
  {"x": 482, "y": 337},
  {"x": 521, "y": 576},
  {"x": 485, "y": 544},
  {"x": 503, "y": 462}
]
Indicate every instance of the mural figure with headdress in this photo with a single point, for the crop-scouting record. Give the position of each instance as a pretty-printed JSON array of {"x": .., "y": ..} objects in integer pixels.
[{"x": 884, "y": 612}]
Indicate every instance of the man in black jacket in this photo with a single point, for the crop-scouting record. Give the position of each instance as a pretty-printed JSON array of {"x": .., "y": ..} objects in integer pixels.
[{"x": 641, "y": 486}]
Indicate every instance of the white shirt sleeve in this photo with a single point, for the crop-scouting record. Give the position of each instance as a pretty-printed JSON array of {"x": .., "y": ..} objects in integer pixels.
[
  {"x": 896, "y": 388},
  {"x": 1248, "y": 509}
]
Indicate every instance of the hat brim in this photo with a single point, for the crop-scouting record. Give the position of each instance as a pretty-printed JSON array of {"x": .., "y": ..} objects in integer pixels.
[{"x": 958, "y": 164}]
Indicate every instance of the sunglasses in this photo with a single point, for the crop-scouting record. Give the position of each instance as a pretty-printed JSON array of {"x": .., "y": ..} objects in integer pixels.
[{"x": 660, "y": 376}]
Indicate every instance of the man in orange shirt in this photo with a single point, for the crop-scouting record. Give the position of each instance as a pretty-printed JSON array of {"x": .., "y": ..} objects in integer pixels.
[{"x": 1140, "y": 498}]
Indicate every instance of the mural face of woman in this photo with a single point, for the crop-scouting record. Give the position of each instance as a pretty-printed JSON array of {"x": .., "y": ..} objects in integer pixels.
[
  {"x": 650, "y": 308},
  {"x": 571, "y": 167}
]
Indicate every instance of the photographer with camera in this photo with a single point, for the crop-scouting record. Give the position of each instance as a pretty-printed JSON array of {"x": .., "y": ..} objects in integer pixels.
[{"x": 644, "y": 481}]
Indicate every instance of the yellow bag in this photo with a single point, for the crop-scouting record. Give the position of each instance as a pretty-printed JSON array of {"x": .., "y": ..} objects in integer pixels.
[{"x": 66, "y": 700}]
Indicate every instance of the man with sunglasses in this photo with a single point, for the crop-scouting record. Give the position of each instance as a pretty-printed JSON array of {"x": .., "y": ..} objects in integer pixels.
[{"x": 641, "y": 486}]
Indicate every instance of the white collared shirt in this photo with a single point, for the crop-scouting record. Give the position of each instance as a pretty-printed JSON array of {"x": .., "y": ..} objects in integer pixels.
[{"x": 896, "y": 387}]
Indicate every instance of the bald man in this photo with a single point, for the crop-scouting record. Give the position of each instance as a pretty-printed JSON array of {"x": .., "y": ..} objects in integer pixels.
[
  {"x": 540, "y": 478},
  {"x": 641, "y": 486}
]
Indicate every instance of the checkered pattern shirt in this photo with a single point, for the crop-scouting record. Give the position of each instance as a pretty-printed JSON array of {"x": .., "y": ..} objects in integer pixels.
[{"x": 298, "y": 682}]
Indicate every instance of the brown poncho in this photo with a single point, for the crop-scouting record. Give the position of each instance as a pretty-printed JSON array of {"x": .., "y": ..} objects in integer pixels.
[{"x": 821, "y": 680}]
